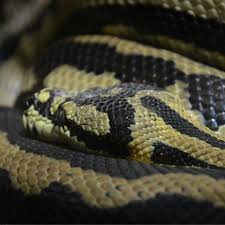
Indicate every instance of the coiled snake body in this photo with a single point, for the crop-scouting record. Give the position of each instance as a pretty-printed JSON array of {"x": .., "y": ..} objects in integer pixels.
[{"x": 116, "y": 130}]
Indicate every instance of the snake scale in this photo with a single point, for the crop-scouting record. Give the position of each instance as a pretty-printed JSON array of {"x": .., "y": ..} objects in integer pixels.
[{"x": 120, "y": 119}]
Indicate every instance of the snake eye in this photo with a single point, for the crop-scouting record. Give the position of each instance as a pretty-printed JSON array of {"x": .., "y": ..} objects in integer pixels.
[
  {"x": 60, "y": 117},
  {"x": 30, "y": 101}
]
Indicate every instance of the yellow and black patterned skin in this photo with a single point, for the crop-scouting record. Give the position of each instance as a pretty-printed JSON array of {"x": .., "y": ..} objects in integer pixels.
[{"x": 107, "y": 130}]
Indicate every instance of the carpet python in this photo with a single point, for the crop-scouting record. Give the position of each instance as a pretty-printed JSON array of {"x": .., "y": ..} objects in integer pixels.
[{"x": 120, "y": 119}]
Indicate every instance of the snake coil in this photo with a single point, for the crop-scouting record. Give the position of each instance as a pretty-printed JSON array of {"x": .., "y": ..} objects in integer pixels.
[{"x": 115, "y": 130}]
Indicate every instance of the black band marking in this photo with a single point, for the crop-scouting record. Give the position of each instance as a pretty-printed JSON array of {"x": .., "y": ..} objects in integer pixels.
[
  {"x": 150, "y": 19},
  {"x": 119, "y": 109},
  {"x": 207, "y": 95},
  {"x": 172, "y": 118},
  {"x": 121, "y": 116},
  {"x": 59, "y": 204},
  {"x": 98, "y": 58},
  {"x": 165, "y": 154},
  {"x": 10, "y": 123}
]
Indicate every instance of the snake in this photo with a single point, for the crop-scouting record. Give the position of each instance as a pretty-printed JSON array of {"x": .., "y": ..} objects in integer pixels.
[{"x": 112, "y": 111}]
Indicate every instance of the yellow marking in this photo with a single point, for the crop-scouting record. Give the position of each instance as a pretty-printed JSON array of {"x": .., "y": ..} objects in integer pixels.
[
  {"x": 32, "y": 119},
  {"x": 72, "y": 79},
  {"x": 86, "y": 116},
  {"x": 213, "y": 58},
  {"x": 43, "y": 96},
  {"x": 175, "y": 103},
  {"x": 150, "y": 129},
  {"x": 32, "y": 173},
  {"x": 221, "y": 130},
  {"x": 48, "y": 131},
  {"x": 55, "y": 104},
  {"x": 179, "y": 89},
  {"x": 125, "y": 47},
  {"x": 120, "y": 30}
]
